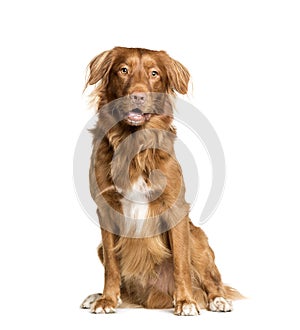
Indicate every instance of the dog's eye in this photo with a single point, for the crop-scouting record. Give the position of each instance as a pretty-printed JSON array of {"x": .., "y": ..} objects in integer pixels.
[
  {"x": 124, "y": 70},
  {"x": 154, "y": 73}
]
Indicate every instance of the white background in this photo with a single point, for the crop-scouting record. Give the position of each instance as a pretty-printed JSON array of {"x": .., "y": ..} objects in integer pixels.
[{"x": 244, "y": 60}]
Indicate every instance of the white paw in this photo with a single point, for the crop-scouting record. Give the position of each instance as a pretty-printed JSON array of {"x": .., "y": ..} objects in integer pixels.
[
  {"x": 89, "y": 300},
  {"x": 186, "y": 309},
  {"x": 220, "y": 304},
  {"x": 189, "y": 310}
]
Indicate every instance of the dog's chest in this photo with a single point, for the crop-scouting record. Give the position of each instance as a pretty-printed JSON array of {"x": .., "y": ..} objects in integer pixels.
[{"x": 135, "y": 201}]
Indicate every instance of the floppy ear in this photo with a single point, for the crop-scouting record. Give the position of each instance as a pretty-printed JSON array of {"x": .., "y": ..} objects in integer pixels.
[
  {"x": 99, "y": 68},
  {"x": 178, "y": 76}
]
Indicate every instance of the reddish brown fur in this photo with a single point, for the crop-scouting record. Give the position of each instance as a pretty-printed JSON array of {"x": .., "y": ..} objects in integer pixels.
[{"x": 177, "y": 265}]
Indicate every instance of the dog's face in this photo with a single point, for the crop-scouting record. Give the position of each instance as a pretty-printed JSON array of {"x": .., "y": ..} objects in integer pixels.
[{"x": 140, "y": 77}]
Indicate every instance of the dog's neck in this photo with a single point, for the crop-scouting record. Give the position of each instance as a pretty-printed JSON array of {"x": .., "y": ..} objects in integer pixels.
[{"x": 139, "y": 151}]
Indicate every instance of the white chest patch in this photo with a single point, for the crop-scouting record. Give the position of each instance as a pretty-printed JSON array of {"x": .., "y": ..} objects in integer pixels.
[{"x": 135, "y": 204}]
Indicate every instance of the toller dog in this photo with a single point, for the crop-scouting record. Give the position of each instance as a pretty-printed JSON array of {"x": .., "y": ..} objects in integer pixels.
[{"x": 152, "y": 253}]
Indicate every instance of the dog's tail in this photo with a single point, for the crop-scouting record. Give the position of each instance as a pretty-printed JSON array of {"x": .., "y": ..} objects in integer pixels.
[
  {"x": 232, "y": 294},
  {"x": 201, "y": 296}
]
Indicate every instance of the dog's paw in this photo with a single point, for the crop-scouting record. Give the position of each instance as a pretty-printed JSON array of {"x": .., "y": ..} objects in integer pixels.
[
  {"x": 186, "y": 308},
  {"x": 104, "y": 306},
  {"x": 89, "y": 300},
  {"x": 220, "y": 304}
]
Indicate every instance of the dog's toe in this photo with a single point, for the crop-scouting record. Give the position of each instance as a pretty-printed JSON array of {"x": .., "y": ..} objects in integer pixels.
[{"x": 103, "y": 306}]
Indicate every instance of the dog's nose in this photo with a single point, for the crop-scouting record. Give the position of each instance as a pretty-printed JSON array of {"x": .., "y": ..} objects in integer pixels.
[{"x": 138, "y": 98}]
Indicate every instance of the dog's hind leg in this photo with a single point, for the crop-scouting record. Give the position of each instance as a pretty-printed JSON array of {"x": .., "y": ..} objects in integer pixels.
[{"x": 208, "y": 276}]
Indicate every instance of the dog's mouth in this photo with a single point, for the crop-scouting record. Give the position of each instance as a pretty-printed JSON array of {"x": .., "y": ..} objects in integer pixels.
[{"x": 136, "y": 117}]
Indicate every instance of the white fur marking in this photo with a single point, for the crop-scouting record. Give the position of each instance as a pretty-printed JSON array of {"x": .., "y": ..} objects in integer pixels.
[
  {"x": 220, "y": 304},
  {"x": 109, "y": 310},
  {"x": 189, "y": 310},
  {"x": 119, "y": 301},
  {"x": 98, "y": 310},
  {"x": 135, "y": 203},
  {"x": 89, "y": 300}
]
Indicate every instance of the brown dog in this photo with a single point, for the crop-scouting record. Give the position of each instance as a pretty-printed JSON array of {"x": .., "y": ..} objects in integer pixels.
[{"x": 152, "y": 254}]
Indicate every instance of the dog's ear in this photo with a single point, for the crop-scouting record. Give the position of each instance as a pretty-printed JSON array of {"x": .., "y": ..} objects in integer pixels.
[
  {"x": 99, "y": 67},
  {"x": 178, "y": 77}
]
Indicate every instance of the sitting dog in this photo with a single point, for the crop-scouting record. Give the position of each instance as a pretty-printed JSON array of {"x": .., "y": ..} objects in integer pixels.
[{"x": 152, "y": 253}]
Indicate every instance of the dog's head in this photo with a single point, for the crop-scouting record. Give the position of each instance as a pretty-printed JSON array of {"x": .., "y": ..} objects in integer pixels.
[{"x": 140, "y": 78}]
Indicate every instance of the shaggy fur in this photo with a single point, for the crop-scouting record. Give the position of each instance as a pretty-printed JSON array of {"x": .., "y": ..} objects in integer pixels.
[{"x": 174, "y": 267}]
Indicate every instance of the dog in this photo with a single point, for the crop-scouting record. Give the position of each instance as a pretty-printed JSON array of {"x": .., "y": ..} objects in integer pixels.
[{"x": 152, "y": 253}]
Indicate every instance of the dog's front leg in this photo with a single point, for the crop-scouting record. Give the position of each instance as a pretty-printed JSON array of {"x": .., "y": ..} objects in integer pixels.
[
  {"x": 183, "y": 297},
  {"x": 111, "y": 293}
]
